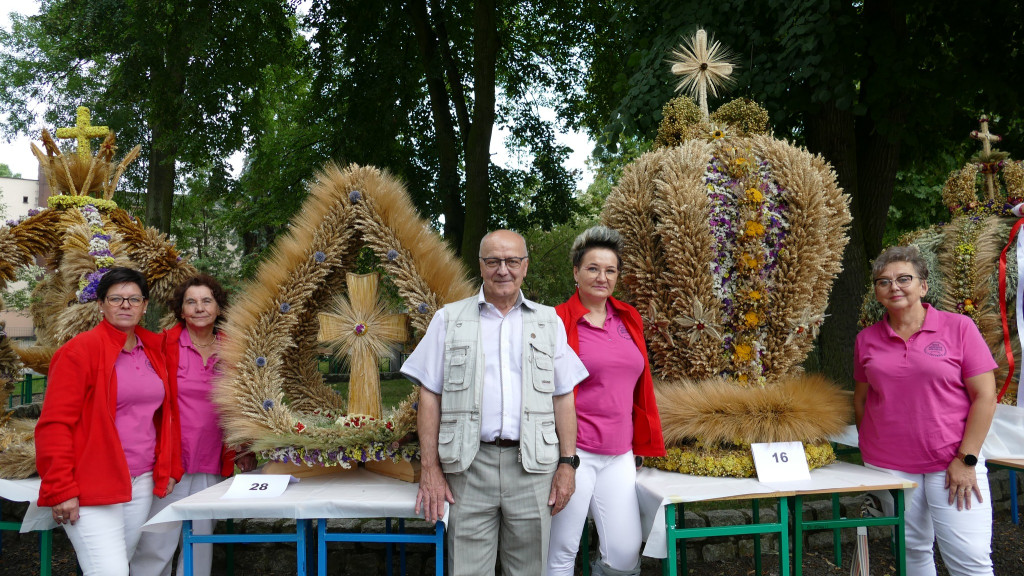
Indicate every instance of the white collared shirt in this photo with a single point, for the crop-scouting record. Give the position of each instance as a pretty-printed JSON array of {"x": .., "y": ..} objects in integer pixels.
[{"x": 502, "y": 346}]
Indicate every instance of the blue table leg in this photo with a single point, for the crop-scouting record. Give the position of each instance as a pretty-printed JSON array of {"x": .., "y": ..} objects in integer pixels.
[
  {"x": 186, "y": 546},
  {"x": 1013, "y": 496},
  {"x": 439, "y": 548},
  {"x": 321, "y": 547}
]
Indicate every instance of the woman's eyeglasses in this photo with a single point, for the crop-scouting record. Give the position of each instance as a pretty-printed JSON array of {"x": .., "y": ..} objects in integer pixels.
[
  {"x": 132, "y": 301},
  {"x": 903, "y": 280}
]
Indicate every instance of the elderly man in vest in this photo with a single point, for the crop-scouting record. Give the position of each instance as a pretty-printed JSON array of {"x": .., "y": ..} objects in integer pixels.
[{"x": 497, "y": 422}]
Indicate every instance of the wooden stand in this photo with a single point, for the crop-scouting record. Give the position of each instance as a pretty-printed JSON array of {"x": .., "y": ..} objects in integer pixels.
[
  {"x": 303, "y": 471},
  {"x": 402, "y": 470}
]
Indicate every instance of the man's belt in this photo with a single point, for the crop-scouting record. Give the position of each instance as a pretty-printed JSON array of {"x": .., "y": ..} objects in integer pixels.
[{"x": 502, "y": 442}]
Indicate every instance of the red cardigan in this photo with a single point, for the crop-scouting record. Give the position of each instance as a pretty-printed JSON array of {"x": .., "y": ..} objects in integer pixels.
[
  {"x": 78, "y": 450},
  {"x": 647, "y": 438},
  {"x": 172, "y": 351}
]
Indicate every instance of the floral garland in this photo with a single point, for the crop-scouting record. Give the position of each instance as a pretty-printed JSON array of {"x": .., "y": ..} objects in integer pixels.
[
  {"x": 748, "y": 222},
  {"x": 736, "y": 463},
  {"x": 343, "y": 456},
  {"x": 99, "y": 249}
]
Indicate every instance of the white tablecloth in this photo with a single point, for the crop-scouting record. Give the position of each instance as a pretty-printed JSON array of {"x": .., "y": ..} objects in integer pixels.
[
  {"x": 27, "y": 490},
  {"x": 351, "y": 494},
  {"x": 656, "y": 488}
]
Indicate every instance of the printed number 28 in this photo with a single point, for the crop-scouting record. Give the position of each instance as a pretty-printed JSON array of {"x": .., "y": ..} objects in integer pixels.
[
  {"x": 258, "y": 486},
  {"x": 780, "y": 457}
]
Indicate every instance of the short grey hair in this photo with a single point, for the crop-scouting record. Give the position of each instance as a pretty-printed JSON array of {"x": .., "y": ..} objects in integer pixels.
[
  {"x": 909, "y": 253},
  {"x": 596, "y": 237}
]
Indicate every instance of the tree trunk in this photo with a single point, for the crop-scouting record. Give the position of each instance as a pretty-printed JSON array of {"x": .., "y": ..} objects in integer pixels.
[
  {"x": 478, "y": 149},
  {"x": 160, "y": 183},
  {"x": 832, "y": 133},
  {"x": 449, "y": 183}
]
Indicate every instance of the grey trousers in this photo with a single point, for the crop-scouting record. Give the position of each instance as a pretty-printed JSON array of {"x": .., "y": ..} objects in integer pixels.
[{"x": 498, "y": 507}]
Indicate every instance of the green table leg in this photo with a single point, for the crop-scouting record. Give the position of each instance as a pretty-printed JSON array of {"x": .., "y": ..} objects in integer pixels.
[
  {"x": 668, "y": 567},
  {"x": 901, "y": 532},
  {"x": 45, "y": 552},
  {"x": 798, "y": 536},
  {"x": 784, "y": 536},
  {"x": 755, "y": 505},
  {"x": 837, "y": 535}
]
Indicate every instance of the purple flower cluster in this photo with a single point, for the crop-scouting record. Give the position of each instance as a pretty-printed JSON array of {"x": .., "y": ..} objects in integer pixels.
[{"x": 92, "y": 281}]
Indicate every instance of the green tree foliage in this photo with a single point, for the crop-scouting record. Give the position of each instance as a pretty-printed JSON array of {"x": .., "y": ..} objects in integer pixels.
[
  {"x": 181, "y": 77},
  {"x": 419, "y": 87},
  {"x": 21, "y": 298},
  {"x": 880, "y": 88},
  {"x": 5, "y": 172}
]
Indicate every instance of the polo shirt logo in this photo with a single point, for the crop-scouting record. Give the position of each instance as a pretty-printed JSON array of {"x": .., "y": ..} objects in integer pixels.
[
  {"x": 935, "y": 349},
  {"x": 623, "y": 332}
]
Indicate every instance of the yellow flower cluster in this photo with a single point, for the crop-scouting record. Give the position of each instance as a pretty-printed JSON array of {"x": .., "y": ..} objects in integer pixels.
[
  {"x": 754, "y": 229},
  {"x": 736, "y": 462},
  {"x": 64, "y": 202}
]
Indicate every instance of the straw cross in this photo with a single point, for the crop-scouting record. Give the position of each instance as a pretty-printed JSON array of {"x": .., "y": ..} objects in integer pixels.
[
  {"x": 989, "y": 168},
  {"x": 363, "y": 329},
  {"x": 83, "y": 131}
]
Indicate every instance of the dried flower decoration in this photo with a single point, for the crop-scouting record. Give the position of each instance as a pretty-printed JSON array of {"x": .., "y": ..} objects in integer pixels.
[{"x": 703, "y": 64}]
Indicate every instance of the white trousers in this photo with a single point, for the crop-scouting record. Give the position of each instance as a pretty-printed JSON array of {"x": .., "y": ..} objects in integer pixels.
[
  {"x": 964, "y": 536},
  {"x": 105, "y": 536},
  {"x": 155, "y": 551},
  {"x": 606, "y": 487}
]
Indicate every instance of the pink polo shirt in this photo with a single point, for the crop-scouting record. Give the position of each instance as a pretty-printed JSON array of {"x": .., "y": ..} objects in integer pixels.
[
  {"x": 140, "y": 393},
  {"x": 917, "y": 401},
  {"x": 201, "y": 436},
  {"x": 604, "y": 400}
]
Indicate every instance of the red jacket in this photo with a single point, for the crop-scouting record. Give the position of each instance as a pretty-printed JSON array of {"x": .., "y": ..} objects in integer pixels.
[
  {"x": 172, "y": 351},
  {"x": 647, "y": 438},
  {"x": 78, "y": 450}
]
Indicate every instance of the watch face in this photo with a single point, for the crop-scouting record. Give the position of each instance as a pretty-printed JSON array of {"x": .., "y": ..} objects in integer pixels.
[
  {"x": 970, "y": 459},
  {"x": 575, "y": 461}
]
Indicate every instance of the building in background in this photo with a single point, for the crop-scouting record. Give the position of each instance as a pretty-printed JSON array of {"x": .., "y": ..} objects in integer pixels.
[{"x": 19, "y": 196}]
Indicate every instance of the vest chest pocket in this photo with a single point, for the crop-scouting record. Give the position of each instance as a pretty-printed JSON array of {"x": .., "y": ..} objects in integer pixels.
[
  {"x": 455, "y": 377},
  {"x": 449, "y": 442},
  {"x": 544, "y": 369}
]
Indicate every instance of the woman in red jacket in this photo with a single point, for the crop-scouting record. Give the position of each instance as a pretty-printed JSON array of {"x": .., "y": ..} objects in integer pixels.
[
  {"x": 191, "y": 348},
  {"x": 105, "y": 439},
  {"x": 616, "y": 413}
]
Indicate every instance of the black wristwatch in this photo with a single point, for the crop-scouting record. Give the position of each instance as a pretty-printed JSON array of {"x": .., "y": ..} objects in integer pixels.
[
  {"x": 573, "y": 461},
  {"x": 968, "y": 459}
]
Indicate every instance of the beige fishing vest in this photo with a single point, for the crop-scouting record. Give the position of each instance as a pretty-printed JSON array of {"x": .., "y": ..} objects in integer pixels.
[{"x": 459, "y": 437}]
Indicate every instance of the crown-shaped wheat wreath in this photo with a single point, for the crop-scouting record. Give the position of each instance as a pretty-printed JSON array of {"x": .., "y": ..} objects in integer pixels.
[
  {"x": 272, "y": 394},
  {"x": 732, "y": 241},
  {"x": 964, "y": 255},
  {"x": 80, "y": 235}
]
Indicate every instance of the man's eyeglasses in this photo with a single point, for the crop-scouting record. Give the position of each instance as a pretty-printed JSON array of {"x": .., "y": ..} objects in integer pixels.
[
  {"x": 903, "y": 280},
  {"x": 132, "y": 301},
  {"x": 512, "y": 262}
]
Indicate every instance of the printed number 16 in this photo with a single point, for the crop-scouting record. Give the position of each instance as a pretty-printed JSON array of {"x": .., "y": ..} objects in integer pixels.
[{"x": 780, "y": 457}]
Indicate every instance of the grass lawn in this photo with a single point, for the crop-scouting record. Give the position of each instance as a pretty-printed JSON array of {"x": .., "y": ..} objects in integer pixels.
[{"x": 392, "y": 392}]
